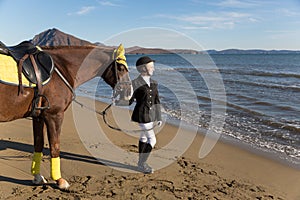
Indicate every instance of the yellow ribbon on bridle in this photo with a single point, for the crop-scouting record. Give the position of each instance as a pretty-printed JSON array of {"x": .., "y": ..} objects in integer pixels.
[{"x": 119, "y": 55}]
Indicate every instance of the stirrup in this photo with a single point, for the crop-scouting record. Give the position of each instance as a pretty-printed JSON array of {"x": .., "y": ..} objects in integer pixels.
[
  {"x": 36, "y": 102},
  {"x": 36, "y": 108}
]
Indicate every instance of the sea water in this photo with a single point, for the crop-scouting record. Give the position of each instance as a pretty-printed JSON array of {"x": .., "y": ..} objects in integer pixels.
[{"x": 260, "y": 93}]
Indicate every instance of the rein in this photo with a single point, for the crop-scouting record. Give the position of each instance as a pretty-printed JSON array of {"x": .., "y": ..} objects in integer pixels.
[{"x": 104, "y": 112}]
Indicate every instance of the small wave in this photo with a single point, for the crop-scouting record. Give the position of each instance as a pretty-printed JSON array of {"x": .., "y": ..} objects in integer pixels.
[
  {"x": 254, "y": 101},
  {"x": 203, "y": 98},
  {"x": 278, "y": 107},
  {"x": 265, "y": 142},
  {"x": 282, "y": 126},
  {"x": 246, "y": 110},
  {"x": 238, "y": 96},
  {"x": 262, "y": 103},
  {"x": 191, "y": 69},
  {"x": 273, "y": 86},
  {"x": 260, "y": 73},
  {"x": 264, "y": 119}
]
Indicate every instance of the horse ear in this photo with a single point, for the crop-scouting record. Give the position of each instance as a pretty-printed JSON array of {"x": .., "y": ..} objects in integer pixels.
[
  {"x": 119, "y": 55},
  {"x": 119, "y": 52}
]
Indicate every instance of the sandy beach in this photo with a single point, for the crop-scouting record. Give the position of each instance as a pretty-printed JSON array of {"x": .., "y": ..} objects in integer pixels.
[{"x": 227, "y": 172}]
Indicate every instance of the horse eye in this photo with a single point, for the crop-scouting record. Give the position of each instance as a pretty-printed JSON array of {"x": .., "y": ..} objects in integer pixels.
[{"x": 121, "y": 68}]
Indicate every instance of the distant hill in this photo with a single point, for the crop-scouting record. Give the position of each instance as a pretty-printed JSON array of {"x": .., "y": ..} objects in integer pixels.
[
  {"x": 55, "y": 37},
  {"x": 252, "y": 51}
]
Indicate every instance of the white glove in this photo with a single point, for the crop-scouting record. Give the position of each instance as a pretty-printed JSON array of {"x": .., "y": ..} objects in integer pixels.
[{"x": 159, "y": 123}]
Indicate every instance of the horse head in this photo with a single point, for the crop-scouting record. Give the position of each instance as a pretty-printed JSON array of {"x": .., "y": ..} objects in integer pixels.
[{"x": 117, "y": 75}]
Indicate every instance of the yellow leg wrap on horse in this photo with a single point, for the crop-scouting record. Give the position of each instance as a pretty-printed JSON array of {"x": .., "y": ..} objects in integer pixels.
[
  {"x": 36, "y": 163},
  {"x": 55, "y": 168}
]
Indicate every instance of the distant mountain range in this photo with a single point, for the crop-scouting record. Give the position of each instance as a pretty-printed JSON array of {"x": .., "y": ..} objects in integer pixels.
[
  {"x": 55, "y": 37},
  {"x": 252, "y": 51}
]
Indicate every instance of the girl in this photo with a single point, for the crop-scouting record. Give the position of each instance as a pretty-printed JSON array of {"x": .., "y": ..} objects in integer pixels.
[{"x": 147, "y": 109}]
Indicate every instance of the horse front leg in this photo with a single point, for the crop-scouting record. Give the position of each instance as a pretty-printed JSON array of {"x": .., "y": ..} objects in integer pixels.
[
  {"x": 54, "y": 123},
  {"x": 38, "y": 137}
]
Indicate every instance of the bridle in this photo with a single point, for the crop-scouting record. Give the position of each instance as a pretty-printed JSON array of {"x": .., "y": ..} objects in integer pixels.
[{"x": 118, "y": 87}]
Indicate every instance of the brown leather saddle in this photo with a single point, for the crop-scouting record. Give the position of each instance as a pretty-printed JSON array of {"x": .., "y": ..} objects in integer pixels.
[{"x": 29, "y": 55}]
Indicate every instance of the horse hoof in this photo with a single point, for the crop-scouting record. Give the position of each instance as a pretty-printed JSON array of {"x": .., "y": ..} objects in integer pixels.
[
  {"x": 39, "y": 180},
  {"x": 62, "y": 184}
]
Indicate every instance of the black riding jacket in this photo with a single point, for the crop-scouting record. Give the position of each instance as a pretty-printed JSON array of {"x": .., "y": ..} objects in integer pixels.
[{"x": 147, "y": 108}]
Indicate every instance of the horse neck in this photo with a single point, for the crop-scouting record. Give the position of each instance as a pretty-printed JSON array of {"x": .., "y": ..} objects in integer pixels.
[{"x": 81, "y": 64}]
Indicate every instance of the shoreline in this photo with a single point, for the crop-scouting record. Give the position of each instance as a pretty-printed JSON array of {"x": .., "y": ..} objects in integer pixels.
[{"x": 227, "y": 172}]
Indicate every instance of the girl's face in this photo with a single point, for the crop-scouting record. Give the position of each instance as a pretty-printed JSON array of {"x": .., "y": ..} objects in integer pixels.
[{"x": 150, "y": 68}]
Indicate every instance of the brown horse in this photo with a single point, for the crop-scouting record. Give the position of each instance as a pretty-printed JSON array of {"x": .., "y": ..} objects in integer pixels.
[{"x": 76, "y": 65}]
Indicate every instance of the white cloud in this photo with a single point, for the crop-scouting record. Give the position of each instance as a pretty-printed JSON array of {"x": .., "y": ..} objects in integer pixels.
[
  {"x": 237, "y": 4},
  {"x": 107, "y": 3},
  {"x": 281, "y": 31},
  {"x": 212, "y": 20},
  {"x": 83, "y": 10},
  {"x": 288, "y": 12},
  {"x": 195, "y": 27},
  {"x": 251, "y": 19}
]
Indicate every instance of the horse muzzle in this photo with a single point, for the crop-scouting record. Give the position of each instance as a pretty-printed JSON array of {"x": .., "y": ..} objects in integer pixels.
[{"x": 123, "y": 91}]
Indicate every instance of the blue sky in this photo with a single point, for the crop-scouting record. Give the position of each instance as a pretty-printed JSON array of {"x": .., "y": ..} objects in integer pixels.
[{"x": 213, "y": 24}]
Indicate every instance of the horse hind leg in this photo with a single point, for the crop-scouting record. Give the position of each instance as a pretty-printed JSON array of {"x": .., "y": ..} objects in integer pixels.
[{"x": 38, "y": 134}]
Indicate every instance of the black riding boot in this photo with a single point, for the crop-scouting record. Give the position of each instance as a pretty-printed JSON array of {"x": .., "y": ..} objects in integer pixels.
[{"x": 144, "y": 152}]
